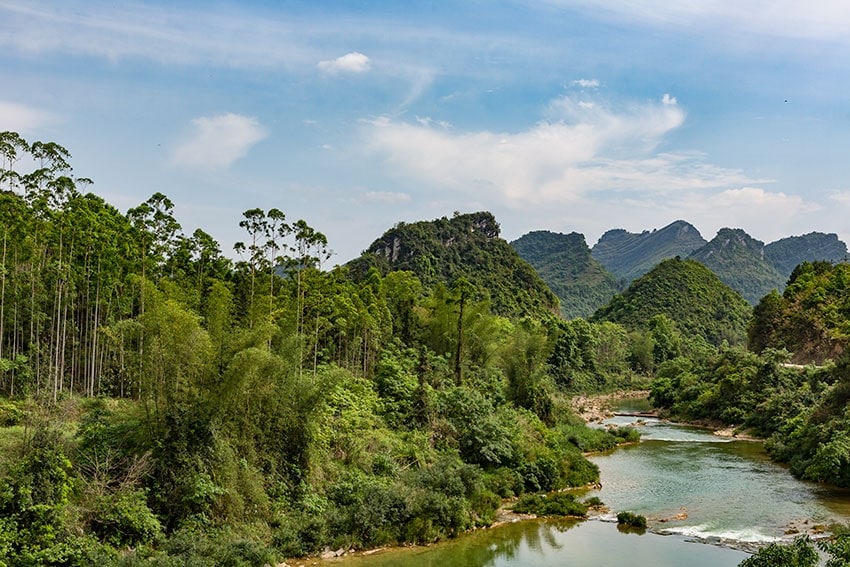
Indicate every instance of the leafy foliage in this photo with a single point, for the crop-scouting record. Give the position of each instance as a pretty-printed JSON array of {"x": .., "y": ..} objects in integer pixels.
[
  {"x": 165, "y": 405},
  {"x": 811, "y": 318},
  {"x": 466, "y": 246},
  {"x": 688, "y": 293},
  {"x": 800, "y": 553},
  {"x": 550, "y": 504}
]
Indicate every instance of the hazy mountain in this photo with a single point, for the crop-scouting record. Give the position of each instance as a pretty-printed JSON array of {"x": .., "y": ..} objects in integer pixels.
[
  {"x": 787, "y": 253},
  {"x": 688, "y": 293},
  {"x": 739, "y": 261},
  {"x": 565, "y": 263},
  {"x": 465, "y": 245},
  {"x": 628, "y": 255}
]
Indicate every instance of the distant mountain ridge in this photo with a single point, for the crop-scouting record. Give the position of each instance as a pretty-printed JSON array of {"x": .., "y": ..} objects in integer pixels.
[
  {"x": 788, "y": 253},
  {"x": 629, "y": 256},
  {"x": 565, "y": 263},
  {"x": 740, "y": 261}
]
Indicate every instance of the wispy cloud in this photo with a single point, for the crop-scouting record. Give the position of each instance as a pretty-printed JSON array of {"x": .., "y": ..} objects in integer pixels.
[
  {"x": 169, "y": 35},
  {"x": 818, "y": 20},
  {"x": 216, "y": 142},
  {"x": 21, "y": 118},
  {"x": 385, "y": 197},
  {"x": 586, "y": 83},
  {"x": 354, "y": 62},
  {"x": 589, "y": 148}
]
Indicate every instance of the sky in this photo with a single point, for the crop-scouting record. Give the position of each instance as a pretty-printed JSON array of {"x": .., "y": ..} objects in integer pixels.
[{"x": 561, "y": 115}]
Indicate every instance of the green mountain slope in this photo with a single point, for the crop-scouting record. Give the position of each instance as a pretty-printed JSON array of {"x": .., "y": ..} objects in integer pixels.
[
  {"x": 739, "y": 261},
  {"x": 564, "y": 262},
  {"x": 688, "y": 293},
  {"x": 811, "y": 319},
  {"x": 628, "y": 255},
  {"x": 788, "y": 253},
  {"x": 466, "y": 245}
]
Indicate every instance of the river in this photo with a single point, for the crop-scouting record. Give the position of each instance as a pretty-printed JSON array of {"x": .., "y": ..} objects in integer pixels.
[{"x": 706, "y": 498}]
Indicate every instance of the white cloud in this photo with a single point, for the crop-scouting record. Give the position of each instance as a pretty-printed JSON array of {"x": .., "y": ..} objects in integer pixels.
[
  {"x": 21, "y": 118},
  {"x": 218, "y": 141},
  {"x": 386, "y": 197},
  {"x": 584, "y": 150},
  {"x": 668, "y": 100},
  {"x": 586, "y": 83},
  {"x": 841, "y": 197},
  {"x": 354, "y": 62},
  {"x": 818, "y": 20}
]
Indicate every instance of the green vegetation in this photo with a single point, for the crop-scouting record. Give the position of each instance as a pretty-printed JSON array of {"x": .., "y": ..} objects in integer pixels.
[
  {"x": 800, "y": 553},
  {"x": 690, "y": 298},
  {"x": 739, "y": 261},
  {"x": 565, "y": 264},
  {"x": 629, "y": 256},
  {"x": 466, "y": 246},
  {"x": 163, "y": 404},
  {"x": 551, "y": 504},
  {"x": 811, "y": 318},
  {"x": 631, "y": 520}
]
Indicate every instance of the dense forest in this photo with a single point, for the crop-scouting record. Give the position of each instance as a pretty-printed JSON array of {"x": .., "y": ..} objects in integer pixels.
[{"x": 165, "y": 403}]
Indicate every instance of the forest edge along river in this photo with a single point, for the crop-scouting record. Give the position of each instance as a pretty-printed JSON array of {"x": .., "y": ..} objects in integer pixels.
[{"x": 710, "y": 500}]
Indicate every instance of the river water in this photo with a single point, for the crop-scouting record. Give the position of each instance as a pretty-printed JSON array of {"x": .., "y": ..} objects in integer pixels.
[{"x": 707, "y": 499}]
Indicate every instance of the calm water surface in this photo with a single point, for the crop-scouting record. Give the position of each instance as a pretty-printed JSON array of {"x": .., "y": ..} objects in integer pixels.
[{"x": 706, "y": 493}]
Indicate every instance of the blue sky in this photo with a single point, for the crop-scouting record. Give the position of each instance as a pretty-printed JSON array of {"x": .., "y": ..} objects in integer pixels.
[{"x": 566, "y": 115}]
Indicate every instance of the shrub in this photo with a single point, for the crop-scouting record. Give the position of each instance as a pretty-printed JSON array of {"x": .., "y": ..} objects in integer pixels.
[
  {"x": 801, "y": 553},
  {"x": 551, "y": 504},
  {"x": 631, "y": 520}
]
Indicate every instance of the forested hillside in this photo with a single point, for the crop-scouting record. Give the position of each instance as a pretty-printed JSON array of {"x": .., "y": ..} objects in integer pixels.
[
  {"x": 743, "y": 263},
  {"x": 467, "y": 246},
  {"x": 687, "y": 293},
  {"x": 739, "y": 261},
  {"x": 788, "y": 253},
  {"x": 811, "y": 319},
  {"x": 162, "y": 404},
  {"x": 801, "y": 410},
  {"x": 564, "y": 262},
  {"x": 629, "y": 256}
]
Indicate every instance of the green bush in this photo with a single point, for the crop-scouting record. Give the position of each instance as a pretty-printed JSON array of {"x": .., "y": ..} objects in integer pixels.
[
  {"x": 631, "y": 520},
  {"x": 801, "y": 553},
  {"x": 551, "y": 504},
  {"x": 11, "y": 414}
]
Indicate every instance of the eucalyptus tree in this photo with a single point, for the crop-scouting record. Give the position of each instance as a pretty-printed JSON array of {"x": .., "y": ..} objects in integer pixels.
[
  {"x": 157, "y": 233},
  {"x": 256, "y": 225}
]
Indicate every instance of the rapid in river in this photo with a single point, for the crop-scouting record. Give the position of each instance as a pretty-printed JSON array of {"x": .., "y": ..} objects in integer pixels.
[{"x": 708, "y": 500}]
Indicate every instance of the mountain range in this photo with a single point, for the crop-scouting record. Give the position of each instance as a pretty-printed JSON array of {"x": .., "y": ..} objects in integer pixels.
[
  {"x": 743, "y": 263},
  {"x": 544, "y": 272}
]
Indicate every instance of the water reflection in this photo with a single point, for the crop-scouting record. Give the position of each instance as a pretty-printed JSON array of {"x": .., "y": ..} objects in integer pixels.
[{"x": 551, "y": 544}]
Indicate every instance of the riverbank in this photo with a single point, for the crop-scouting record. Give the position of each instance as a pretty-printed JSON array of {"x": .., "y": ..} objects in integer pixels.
[{"x": 596, "y": 408}]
